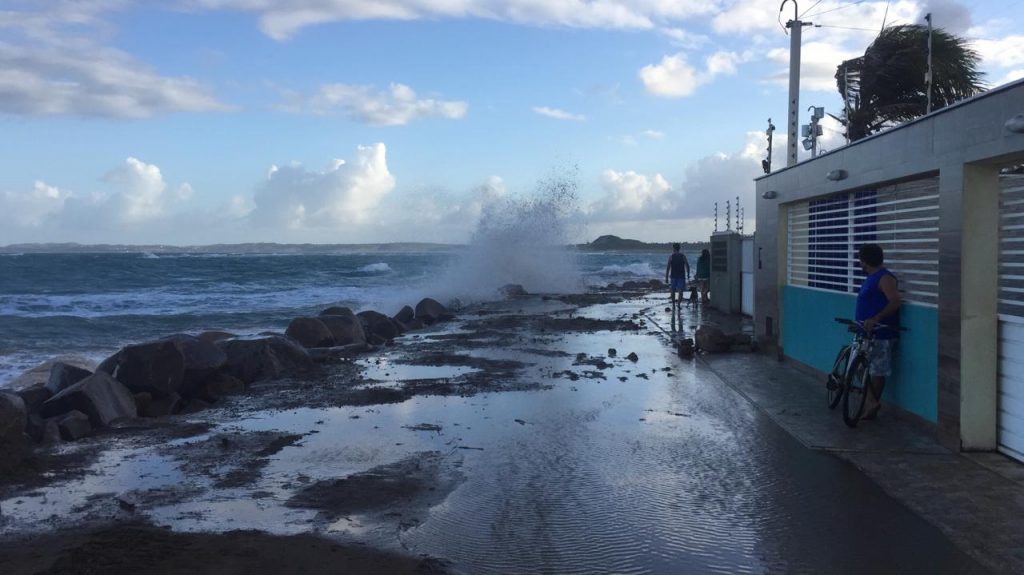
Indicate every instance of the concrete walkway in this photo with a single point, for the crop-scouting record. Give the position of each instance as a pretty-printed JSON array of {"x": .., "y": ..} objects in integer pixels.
[{"x": 977, "y": 500}]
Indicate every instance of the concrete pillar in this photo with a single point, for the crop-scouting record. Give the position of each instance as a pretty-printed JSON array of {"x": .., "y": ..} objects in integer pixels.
[{"x": 979, "y": 321}]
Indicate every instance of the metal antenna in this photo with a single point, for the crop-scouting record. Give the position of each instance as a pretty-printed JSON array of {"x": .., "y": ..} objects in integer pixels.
[
  {"x": 716, "y": 216},
  {"x": 728, "y": 215}
]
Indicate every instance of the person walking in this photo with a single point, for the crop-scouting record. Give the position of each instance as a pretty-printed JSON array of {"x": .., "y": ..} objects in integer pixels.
[
  {"x": 677, "y": 273},
  {"x": 703, "y": 274}
]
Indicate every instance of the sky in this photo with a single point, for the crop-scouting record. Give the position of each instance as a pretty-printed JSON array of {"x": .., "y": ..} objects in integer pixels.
[{"x": 192, "y": 122}]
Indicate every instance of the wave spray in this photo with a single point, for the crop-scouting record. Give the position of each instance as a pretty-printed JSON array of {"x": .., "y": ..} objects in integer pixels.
[{"x": 520, "y": 241}]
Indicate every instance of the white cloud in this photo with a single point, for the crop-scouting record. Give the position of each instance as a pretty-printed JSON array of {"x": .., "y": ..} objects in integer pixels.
[
  {"x": 396, "y": 106},
  {"x": 344, "y": 194},
  {"x": 1006, "y": 52},
  {"x": 629, "y": 196},
  {"x": 284, "y": 18},
  {"x": 143, "y": 195},
  {"x": 685, "y": 39},
  {"x": 654, "y": 134},
  {"x": 1011, "y": 76},
  {"x": 558, "y": 114},
  {"x": 674, "y": 77},
  {"x": 31, "y": 209}
]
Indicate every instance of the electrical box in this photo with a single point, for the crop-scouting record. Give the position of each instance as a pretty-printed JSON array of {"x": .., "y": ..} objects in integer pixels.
[{"x": 727, "y": 272}]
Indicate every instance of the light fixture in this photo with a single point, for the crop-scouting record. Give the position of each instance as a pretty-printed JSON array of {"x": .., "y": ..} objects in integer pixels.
[
  {"x": 770, "y": 195},
  {"x": 836, "y": 175},
  {"x": 1015, "y": 124}
]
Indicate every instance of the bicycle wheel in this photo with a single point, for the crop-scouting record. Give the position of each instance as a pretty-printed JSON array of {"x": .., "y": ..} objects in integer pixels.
[
  {"x": 857, "y": 385},
  {"x": 834, "y": 383}
]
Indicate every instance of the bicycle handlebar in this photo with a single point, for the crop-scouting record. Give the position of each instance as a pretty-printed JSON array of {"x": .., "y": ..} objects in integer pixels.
[{"x": 860, "y": 323}]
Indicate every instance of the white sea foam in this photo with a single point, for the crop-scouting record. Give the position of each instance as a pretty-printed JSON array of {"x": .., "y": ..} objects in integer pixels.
[
  {"x": 150, "y": 256},
  {"x": 519, "y": 241},
  {"x": 376, "y": 268},
  {"x": 640, "y": 269}
]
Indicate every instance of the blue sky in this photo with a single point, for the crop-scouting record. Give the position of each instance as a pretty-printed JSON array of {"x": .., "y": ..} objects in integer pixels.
[{"x": 205, "y": 121}]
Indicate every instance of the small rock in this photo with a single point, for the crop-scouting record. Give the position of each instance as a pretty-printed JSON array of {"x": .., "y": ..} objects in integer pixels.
[
  {"x": 612, "y": 351},
  {"x": 74, "y": 425},
  {"x": 512, "y": 290},
  {"x": 520, "y": 422},
  {"x": 633, "y": 356}
]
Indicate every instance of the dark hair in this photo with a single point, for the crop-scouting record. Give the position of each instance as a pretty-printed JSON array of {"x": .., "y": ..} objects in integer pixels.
[
  {"x": 675, "y": 247},
  {"x": 871, "y": 254}
]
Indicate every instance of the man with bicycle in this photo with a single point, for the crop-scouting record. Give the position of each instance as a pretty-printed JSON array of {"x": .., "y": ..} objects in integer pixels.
[{"x": 878, "y": 307}]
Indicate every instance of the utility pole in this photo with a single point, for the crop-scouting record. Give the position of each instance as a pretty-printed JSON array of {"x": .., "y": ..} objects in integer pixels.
[
  {"x": 928, "y": 74},
  {"x": 766, "y": 165},
  {"x": 796, "y": 29}
]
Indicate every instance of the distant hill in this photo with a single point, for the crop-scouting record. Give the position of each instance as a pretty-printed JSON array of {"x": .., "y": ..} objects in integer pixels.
[{"x": 611, "y": 243}]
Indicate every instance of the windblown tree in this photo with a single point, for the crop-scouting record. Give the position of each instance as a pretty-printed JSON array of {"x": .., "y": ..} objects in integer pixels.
[{"x": 886, "y": 86}]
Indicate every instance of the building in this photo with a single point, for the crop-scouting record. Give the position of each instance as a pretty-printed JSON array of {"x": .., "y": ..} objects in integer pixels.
[{"x": 937, "y": 195}]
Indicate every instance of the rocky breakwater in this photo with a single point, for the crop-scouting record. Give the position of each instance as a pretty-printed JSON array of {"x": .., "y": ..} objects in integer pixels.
[{"x": 186, "y": 373}]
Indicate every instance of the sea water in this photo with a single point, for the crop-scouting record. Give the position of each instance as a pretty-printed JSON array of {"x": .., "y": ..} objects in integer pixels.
[{"x": 90, "y": 304}]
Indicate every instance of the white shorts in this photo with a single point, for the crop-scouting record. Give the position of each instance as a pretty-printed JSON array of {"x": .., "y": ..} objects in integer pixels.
[{"x": 881, "y": 357}]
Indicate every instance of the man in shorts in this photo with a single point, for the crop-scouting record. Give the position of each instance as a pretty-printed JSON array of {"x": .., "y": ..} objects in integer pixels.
[
  {"x": 878, "y": 305},
  {"x": 676, "y": 274}
]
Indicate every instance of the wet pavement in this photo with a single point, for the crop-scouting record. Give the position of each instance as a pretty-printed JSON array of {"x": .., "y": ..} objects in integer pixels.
[{"x": 592, "y": 464}]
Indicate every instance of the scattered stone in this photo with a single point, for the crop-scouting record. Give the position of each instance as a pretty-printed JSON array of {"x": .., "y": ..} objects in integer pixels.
[
  {"x": 346, "y": 329},
  {"x": 712, "y": 340},
  {"x": 633, "y": 357},
  {"x": 263, "y": 357},
  {"x": 430, "y": 311},
  {"x": 520, "y": 422},
  {"x": 310, "y": 332},
  {"x": 13, "y": 418},
  {"x": 656, "y": 284},
  {"x": 99, "y": 396},
  {"x": 424, "y": 427},
  {"x": 686, "y": 348},
  {"x": 63, "y": 376},
  {"x": 512, "y": 290},
  {"x": 405, "y": 315},
  {"x": 74, "y": 425},
  {"x": 612, "y": 352},
  {"x": 35, "y": 396},
  {"x": 415, "y": 324}
]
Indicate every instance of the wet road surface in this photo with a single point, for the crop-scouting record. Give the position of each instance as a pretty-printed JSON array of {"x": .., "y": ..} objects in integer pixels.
[{"x": 655, "y": 466}]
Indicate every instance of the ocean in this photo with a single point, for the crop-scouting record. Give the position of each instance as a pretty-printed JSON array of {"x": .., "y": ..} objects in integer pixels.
[{"x": 89, "y": 305}]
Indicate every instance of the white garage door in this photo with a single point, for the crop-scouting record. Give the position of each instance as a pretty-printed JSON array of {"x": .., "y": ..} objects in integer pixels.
[{"x": 1011, "y": 317}]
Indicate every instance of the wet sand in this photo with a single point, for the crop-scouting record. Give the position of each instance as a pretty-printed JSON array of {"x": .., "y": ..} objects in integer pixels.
[{"x": 513, "y": 440}]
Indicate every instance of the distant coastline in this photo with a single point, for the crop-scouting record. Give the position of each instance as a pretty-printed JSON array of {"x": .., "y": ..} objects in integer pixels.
[{"x": 602, "y": 244}]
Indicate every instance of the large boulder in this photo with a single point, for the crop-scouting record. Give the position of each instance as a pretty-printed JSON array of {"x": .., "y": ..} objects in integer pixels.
[
  {"x": 63, "y": 376},
  {"x": 405, "y": 315},
  {"x": 252, "y": 359},
  {"x": 214, "y": 335},
  {"x": 310, "y": 332},
  {"x": 99, "y": 396},
  {"x": 378, "y": 327},
  {"x": 346, "y": 329},
  {"x": 35, "y": 396},
  {"x": 13, "y": 419},
  {"x": 712, "y": 340},
  {"x": 339, "y": 310},
  {"x": 161, "y": 406},
  {"x": 203, "y": 359},
  {"x": 157, "y": 367},
  {"x": 431, "y": 311}
]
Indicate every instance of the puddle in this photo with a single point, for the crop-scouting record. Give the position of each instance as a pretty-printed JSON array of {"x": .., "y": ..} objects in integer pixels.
[{"x": 384, "y": 369}]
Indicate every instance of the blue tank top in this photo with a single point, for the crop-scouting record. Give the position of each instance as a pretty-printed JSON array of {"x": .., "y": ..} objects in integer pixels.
[{"x": 871, "y": 300}]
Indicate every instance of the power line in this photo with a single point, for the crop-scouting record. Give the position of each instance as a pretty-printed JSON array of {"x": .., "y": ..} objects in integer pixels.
[
  {"x": 838, "y": 8},
  {"x": 809, "y": 9},
  {"x": 872, "y": 30},
  {"x": 886, "y": 16}
]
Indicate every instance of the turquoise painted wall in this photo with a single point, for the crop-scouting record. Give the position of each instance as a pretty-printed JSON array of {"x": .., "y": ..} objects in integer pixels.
[{"x": 810, "y": 336}]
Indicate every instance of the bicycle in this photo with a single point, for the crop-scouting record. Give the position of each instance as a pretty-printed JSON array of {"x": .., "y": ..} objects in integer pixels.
[{"x": 850, "y": 377}]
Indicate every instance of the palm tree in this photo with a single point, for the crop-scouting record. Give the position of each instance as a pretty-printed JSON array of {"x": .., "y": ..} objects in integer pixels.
[{"x": 886, "y": 86}]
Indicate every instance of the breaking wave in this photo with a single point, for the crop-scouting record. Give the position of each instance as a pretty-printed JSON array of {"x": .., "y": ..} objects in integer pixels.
[{"x": 376, "y": 268}]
